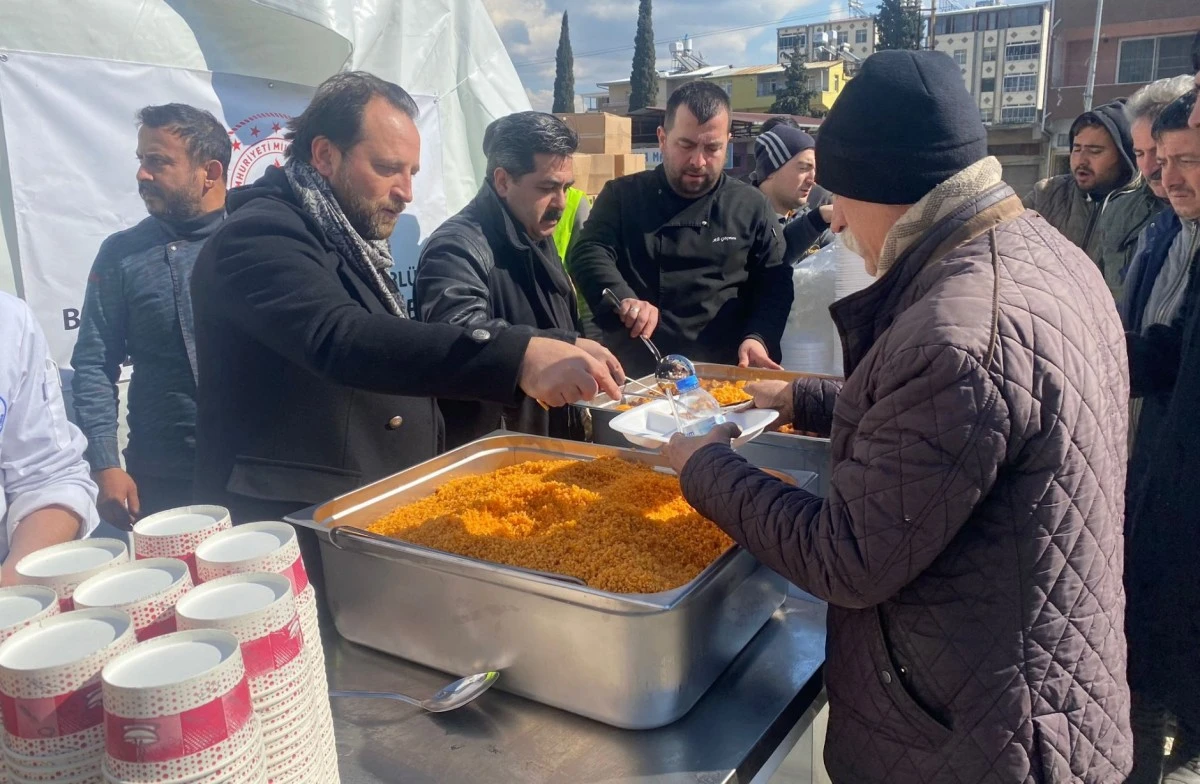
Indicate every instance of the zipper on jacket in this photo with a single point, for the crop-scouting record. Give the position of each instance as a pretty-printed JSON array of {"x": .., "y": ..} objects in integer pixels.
[{"x": 1087, "y": 234}]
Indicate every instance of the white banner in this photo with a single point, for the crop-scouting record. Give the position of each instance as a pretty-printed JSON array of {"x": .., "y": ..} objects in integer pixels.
[{"x": 69, "y": 126}]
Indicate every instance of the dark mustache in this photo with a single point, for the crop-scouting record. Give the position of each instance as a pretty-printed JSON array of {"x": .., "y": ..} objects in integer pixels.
[
  {"x": 552, "y": 215},
  {"x": 146, "y": 189}
]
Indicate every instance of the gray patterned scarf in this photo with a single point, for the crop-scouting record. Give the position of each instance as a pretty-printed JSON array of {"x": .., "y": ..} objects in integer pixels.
[
  {"x": 370, "y": 258},
  {"x": 935, "y": 205}
]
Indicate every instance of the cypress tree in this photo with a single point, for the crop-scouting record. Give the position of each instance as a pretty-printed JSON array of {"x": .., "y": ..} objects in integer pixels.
[
  {"x": 643, "y": 80},
  {"x": 564, "y": 72},
  {"x": 795, "y": 97},
  {"x": 899, "y": 25}
]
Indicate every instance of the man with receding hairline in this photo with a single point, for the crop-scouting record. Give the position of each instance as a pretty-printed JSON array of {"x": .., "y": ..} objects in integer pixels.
[
  {"x": 694, "y": 256},
  {"x": 495, "y": 265}
]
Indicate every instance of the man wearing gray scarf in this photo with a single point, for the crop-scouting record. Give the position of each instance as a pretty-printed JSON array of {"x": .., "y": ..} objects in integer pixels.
[{"x": 312, "y": 378}]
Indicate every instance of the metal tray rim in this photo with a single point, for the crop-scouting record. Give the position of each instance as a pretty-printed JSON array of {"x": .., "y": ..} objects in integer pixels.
[{"x": 474, "y": 568}]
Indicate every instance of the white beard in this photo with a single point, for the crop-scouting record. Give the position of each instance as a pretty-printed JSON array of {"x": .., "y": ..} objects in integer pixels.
[{"x": 854, "y": 246}]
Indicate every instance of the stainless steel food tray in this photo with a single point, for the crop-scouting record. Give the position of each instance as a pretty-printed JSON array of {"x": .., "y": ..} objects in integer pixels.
[
  {"x": 635, "y": 661},
  {"x": 792, "y": 454}
]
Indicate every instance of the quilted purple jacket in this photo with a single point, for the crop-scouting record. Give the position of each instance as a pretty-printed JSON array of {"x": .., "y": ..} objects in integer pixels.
[{"x": 970, "y": 547}]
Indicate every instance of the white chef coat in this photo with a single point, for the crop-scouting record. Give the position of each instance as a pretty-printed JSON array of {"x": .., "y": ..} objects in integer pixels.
[{"x": 41, "y": 453}]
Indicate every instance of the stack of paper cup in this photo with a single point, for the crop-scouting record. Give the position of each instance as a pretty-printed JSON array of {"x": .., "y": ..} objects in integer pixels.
[
  {"x": 258, "y": 609},
  {"x": 177, "y": 709},
  {"x": 63, "y": 567},
  {"x": 272, "y": 547},
  {"x": 22, "y": 606},
  {"x": 25, "y": 605},
  {"x": 176, "y": 533},
  {"x": 147, "y": 590},
  {"x": 50, "y": 694}
]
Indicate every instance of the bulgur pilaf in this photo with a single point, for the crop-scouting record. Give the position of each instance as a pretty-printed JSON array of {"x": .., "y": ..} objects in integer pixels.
[
  {"x": 727, "y": 393},
  {"x": 619, "y": 526}
]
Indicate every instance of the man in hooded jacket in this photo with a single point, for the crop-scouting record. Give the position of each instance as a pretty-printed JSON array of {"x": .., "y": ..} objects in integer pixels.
[{"x": 1104, "y": 203}]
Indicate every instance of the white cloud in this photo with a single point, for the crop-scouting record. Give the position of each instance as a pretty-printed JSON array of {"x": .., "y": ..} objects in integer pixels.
[
  {"x": 541, "y": 100},
  {"x": 611, "y": 10}
]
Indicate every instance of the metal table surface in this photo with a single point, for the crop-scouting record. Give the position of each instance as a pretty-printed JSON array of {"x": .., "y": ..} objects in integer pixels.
[{"x": 731, "y": 734}]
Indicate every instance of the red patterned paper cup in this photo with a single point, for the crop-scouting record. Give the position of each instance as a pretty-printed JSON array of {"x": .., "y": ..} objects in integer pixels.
[
  {"x": 62, "y": 567},
  {"x": 176, "y": 533},
  {"x": 25, "y": 605},
  {"x": 148, "y": 590},
  {"x": 254, "y": 547},
  {"x": 50, "y": 694},
  {"x": 176, "y": 706}
]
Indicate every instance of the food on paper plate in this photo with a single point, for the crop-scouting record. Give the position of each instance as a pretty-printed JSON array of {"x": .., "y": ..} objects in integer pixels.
[{"x": 619, "y": 526}]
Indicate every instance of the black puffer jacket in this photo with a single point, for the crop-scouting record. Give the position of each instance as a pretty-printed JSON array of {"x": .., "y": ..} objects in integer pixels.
[
  {"x": 970, "y": 546},
  {"x": 479, "y": 269}
]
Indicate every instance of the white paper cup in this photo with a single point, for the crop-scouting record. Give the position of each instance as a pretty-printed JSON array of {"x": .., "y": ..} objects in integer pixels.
[
  {"x": 62, "y": 567},
  {"x": 148, "y": 590},
  {"x": 254, "y": 547},
  {"x": 49, "y": 681},
  {"x": 25, "y": 605},
  {"x": 176, "y": 706},
  {"x": 176, "y": 533}
]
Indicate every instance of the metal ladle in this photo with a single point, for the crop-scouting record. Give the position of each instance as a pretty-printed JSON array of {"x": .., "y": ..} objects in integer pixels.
[
  {"x": 448, "y": 698},
  {"x": 611, "y": 300}
]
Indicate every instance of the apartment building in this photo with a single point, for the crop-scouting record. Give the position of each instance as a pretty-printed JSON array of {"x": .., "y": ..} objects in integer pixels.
[
  {"x": 854, "y": 37},
  {"x": 1140, "y": 41},
  {"x": 750, "y": 89},
  {"x": 1003, "y": 54}
]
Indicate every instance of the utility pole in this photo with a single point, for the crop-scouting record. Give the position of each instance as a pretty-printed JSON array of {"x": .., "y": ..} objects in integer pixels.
[
  {"x": 1091, "y": 79},
  {"x": 932, "y": 21}
]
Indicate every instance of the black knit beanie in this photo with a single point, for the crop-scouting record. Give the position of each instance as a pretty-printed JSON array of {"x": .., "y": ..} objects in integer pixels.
[
  {"x": 776, "y": 147},
  {"x": 1111, "y": 116},
  {"x": 903, "y": 126}
]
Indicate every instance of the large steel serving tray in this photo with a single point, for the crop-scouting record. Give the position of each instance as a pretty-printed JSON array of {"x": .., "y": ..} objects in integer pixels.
[
  {"x": 779, "y": 451},
  {"x": 630, "y": 660}
]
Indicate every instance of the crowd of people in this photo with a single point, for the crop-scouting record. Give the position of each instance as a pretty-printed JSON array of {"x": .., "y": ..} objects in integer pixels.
[{"x": 1010, "y": 497}]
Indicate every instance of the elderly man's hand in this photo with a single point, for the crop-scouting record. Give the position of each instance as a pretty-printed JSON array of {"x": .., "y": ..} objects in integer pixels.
[
  {"x": 681, "y": 448},
  {"x": 776, "y": 395}
]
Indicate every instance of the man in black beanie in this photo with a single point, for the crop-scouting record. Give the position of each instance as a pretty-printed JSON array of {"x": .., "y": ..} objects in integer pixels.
[
  {"x": 1104, "y": 203},
  {"x": 785, "y": 171},
  {"x": 969, "y": 545}
]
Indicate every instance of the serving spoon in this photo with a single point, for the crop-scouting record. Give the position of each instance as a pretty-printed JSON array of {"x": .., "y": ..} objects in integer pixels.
[{"x": 448, "y": 698}]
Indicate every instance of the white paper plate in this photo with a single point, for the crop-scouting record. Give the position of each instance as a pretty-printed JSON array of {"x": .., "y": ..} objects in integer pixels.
[{"x": 651, "y": 425}]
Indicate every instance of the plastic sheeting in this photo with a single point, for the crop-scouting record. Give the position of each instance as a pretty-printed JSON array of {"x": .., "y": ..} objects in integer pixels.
[{"x": 444, "y": 48}]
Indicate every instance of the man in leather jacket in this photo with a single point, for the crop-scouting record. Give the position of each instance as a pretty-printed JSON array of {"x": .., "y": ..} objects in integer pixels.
[{"x": 495, "y": 264}]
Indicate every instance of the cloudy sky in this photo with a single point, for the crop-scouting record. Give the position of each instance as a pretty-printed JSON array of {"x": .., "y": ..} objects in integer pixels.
[{"x": 727, "y": 32}]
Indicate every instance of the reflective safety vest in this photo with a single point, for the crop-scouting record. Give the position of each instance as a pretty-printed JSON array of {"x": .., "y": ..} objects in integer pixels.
[{"x": 566, "y": 224}]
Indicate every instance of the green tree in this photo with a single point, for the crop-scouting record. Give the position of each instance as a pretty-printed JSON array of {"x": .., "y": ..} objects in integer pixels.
[
  {"x": 899, "y": 25},
  {"x": 643, "y": 80},
  {"x": 796, "y": 96},
  {"x": 564, "y": 72}
]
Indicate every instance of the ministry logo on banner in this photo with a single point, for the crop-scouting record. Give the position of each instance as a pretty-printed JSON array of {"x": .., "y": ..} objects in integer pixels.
[{"x": 258, "y": 145}]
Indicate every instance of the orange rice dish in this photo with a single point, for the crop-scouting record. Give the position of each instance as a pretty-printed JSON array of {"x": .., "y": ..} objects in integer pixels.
[
  {"x": 619, "y": 526},
  {"x": 727, "y": 393}
]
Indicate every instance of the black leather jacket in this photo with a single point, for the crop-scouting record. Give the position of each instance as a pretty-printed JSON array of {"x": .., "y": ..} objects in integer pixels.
[{"x": 481, "y": 270}]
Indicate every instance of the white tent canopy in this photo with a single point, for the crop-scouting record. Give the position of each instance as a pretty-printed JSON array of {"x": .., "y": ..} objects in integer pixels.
[{"x": 445, "y": 50}]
